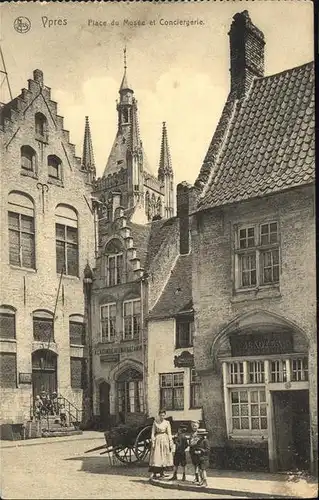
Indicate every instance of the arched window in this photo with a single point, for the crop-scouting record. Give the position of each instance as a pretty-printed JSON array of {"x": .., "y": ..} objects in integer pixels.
[
  {"x": 28, "y": 158},
  {"x": 66, "y": 240},
  {"x": 43, "y": 326},
  {"x": 7, "y": 322},
  {"x": 115, "y": 263},
  {"x": 41, "y": 126},
  {"x": 21, "y": 230},
  {"x": 76, "y": 329},
  {"x": 153, "y": 205},
  {"x": 54, "y": 167}
]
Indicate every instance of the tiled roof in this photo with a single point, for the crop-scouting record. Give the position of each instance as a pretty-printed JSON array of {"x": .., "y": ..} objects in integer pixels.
[
  {"x": 160, "y": 230},
  {"x": 140, "y": 234},
  {"x": 177, "y": 294},
  {"x": 267, "y": 141}
]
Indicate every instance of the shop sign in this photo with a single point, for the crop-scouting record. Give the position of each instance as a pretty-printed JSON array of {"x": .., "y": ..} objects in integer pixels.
[
  {"x": 110, "y": 358},
  {"x": 256, "y": 345},
  {"x": 185, "y": 360},
  {"x": 25, "y": 378},
  {"x": 118, "y": 350}
]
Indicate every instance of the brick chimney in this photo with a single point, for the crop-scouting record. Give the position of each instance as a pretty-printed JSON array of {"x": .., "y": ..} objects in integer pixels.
[{"x": 246, "y": 53}]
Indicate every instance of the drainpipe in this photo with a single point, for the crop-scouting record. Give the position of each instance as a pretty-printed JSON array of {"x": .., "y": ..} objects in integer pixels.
[
  {"x": 143, "y": 283},
  {"x": 87, "y": 288}
]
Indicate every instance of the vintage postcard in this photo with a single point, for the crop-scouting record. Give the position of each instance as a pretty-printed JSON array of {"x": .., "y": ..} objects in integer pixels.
[{"x": 158, "y": 267}]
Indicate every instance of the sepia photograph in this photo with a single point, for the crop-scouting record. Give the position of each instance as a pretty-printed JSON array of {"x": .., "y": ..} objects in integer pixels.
[{"x": 158, "y": 305}]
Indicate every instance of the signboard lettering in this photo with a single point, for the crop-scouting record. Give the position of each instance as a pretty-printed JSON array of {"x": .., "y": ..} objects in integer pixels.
[
  {"x": 25, "y": 378},
  {"x": 118, "y": 349},
  {"x": 185, "y": 359},
  {"x": 110, "y": 358},
  {"x": 256, "y": 344}
]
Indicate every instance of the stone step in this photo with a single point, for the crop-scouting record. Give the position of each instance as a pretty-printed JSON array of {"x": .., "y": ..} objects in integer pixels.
[{"x": 64, "y": 431}]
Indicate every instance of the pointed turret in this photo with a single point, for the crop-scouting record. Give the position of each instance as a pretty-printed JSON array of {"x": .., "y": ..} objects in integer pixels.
[
  {"x": 124, "y": 85},
  {"x": 166, "y": 174},
  {"x": 88, "y": 157},
  {"x": 165, "y": 164}
]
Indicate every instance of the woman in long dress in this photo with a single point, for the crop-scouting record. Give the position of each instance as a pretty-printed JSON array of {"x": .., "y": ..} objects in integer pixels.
[{"x": 161, "y": 457}]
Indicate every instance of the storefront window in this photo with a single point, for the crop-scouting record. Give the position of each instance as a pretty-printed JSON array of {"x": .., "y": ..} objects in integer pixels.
[{"x": 248, "y": 410}]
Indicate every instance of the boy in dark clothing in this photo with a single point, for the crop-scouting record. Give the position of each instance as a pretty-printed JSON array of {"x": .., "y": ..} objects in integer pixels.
[
  {"x": 181, "y": 443},
  {"x": 201, "y": 452}
]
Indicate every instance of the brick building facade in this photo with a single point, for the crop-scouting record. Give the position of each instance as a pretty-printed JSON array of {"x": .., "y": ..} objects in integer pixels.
[
  {"x": 254, "y": 285},
  {"x": 47, "y": 227}
]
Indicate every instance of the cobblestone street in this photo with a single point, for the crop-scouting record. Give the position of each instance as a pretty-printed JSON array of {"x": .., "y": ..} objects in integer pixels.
[{"x": 61, "y": 470}]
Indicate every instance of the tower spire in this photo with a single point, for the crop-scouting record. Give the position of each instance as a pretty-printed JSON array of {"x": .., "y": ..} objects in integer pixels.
[
  {"x": 5, "y": 91},
  {"x": 124, "y": 85},
  {"x": 88, "y": 156},
  {"x": 165, "y": 163}
]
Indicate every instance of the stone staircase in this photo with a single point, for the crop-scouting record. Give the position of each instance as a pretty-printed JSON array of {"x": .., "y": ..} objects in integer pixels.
[{"x": 51, "y": 427}]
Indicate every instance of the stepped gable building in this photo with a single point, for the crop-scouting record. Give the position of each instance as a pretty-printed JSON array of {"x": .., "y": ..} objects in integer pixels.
[
  {"x": 254, "y": 285},
  {"x": 47, "y": 241},
  {"x": 128, "y": 180},
  {"x": 142, "y": 319}
]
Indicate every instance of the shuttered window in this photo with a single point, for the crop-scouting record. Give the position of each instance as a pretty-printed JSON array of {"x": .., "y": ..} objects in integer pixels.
[
  {"x": 77, "y": 333},
  {"x": 7, "y": 324},
  {"x": 8, "y": 370},
  {"x": 78, "y": 373}
]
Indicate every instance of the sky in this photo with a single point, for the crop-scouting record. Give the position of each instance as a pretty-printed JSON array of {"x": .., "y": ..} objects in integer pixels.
[{"x": 179, "y": 74}]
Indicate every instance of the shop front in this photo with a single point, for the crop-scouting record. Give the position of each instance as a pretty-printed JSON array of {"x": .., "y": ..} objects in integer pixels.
[{"x": 262, "y": 363}]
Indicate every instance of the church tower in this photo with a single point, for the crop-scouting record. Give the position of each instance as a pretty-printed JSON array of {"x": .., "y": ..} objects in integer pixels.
[
  {"x": 166, "y": 175},
  {"x": 128, "y": 180}
]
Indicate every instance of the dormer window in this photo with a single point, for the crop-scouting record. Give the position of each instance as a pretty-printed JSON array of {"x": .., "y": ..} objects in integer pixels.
[
  {"x": 28, "y": 158},
  {"x": 41, "y": 127},
  {"x": 54, "y": 167}
]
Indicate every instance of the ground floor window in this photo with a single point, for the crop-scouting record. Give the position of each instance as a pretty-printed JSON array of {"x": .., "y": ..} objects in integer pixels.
[
  {"x": 8, "y": 369},
  {"x": 172, "y": 391},
  {"x": 130, "y": 392},
  {"x": 248, "y": 409}
]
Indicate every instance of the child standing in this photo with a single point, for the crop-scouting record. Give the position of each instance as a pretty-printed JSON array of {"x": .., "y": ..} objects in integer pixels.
[
  {"x": 201, "y": 451},
  {"x": 193, "y": 440},
  {"x": 181, "y": 443}
]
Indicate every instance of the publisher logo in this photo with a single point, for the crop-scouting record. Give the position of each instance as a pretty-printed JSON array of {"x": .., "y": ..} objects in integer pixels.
[{"x": 22, "y": 24}]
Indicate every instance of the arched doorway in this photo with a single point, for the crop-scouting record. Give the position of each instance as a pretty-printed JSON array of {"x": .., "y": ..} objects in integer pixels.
[
  {"x": 130, "y": 396},
  {"x": 44, "y": 371},
  {"x": 104, "y": 397}
]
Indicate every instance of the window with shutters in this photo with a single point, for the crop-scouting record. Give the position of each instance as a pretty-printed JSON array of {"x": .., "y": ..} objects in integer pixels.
[
  {"x": 132, "y": 319},
  {"x": 7, "y": 322},
  {"x": 28, "y": 159},
  {"x": 76, "y": 330},
  {"x": 54, "y": 167},
  {"x": 21, "y": 230},
  {"x": 41, "y": 127},
  {"x": 257, "y": 254},
  {"x": 8, "y": 370},
  {"x": 43, "y": 326},
  {"x": 67, "y": 245},
  {"x": 78, "y": 373}
]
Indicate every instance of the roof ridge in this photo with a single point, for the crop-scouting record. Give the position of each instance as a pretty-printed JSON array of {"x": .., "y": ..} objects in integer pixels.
[{"x": 309, "y": 63}]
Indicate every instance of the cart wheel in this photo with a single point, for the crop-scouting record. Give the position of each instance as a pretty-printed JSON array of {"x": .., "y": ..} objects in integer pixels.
[
  {"x": 125, "y": 454},
  {"x": 142, "y": 444}
]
